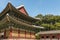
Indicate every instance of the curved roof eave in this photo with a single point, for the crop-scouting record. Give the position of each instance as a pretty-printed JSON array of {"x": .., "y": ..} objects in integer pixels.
[{"x": 10, "y": 7}]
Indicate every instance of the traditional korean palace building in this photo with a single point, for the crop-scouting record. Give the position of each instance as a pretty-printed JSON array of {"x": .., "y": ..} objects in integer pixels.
[
  {"x": 49, "y": 35},
  {"x": 16, "y": 23}
]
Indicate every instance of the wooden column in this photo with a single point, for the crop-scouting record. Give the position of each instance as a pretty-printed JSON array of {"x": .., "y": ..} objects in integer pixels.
[
  {"x": 50, "y": 36},
  {"x": 18, "y": 33},
  {"x": 25, "y": 33},
  {"x": 5, "y": 33},
  {"x": 34, "y": 36},
  {"x": 58, "y": 36},
  {"x": 10, "y": 32},
  {"x": 44, "y": 36},
  {"x": 30, "y": 34}
]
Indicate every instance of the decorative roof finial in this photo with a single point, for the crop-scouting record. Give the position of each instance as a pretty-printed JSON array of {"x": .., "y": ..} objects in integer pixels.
[{"x": 7, "y": 14}]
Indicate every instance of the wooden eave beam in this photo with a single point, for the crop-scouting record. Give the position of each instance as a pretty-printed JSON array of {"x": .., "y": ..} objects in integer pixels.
[
  {"x": 24, "y": 24},
  {"x": 16, "y": 21}
]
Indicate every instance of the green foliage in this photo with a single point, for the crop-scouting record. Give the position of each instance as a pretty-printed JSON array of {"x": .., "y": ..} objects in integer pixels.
[
  {"x": 57, "y": 24},
  {"x": 50, "y": 22},
  {"x": 38, "y": 37}
]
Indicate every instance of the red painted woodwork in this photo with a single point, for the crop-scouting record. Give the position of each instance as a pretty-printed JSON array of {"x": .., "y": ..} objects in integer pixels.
[
  {"x": 22, "y": 9},
  {"x": 56, "y": 36},
  {"x": 44, "y": 37},
  {"x": 10, "y": 32},
  {"x": 25, "y": 33},
  {"x": 18, "y": 33},
  {"x": 30, "y": 35},
  {"x": 4, "y": 33},
  {"x": 50, "y": 36}
]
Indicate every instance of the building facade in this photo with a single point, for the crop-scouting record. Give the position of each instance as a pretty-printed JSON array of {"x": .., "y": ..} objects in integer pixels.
[
  {"x": 16, "y": 23},
  {"x": 49, "y": 35}
]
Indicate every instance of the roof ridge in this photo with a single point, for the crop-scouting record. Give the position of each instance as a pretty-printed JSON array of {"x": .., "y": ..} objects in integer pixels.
[{"x": 20, "y": 6}]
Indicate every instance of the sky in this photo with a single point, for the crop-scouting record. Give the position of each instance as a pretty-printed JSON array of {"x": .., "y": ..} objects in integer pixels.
[{"x": 35, "y": 7}]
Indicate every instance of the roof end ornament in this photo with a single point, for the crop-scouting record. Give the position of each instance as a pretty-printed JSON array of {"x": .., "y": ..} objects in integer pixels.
[{"x": 7, "y": 14}]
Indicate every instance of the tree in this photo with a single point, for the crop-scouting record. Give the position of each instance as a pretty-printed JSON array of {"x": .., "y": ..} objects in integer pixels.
[{"x": 50, "y": 22}]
